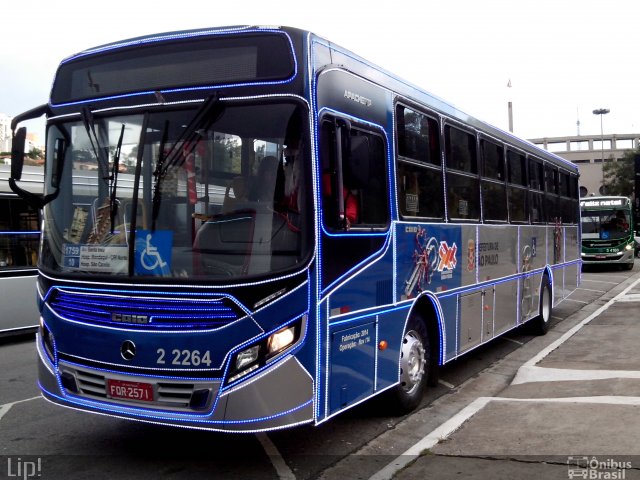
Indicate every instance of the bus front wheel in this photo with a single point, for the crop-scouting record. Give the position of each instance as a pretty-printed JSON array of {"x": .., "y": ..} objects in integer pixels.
[{"x": 415, "y": 354}]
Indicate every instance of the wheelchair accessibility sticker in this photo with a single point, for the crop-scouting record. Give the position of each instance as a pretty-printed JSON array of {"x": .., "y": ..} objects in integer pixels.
[{"x": 153, "y": 252}]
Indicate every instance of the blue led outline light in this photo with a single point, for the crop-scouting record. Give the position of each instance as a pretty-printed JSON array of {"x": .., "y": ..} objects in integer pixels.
[
  {"x": 196, "y": 286},
  {"x": 410, "y": 304},
  {"x": 355, "y": 404},
  {"x": 442, "y": 337},
  {"x": 223, "y": 361},
  {"x": 145, "y": 375},
  {"x": 394, "y": 263},
  {"x": 166, "y": 423},
  {"x": 190, "y": 89},
  {"x": 367, "y": 315},
  {"x": 52, "y": 361},
  {"x": 392, "y": 156},
  {"x": 74, "y": 398},
  {"x": 488, "y": 283},
  {"x": 388, "y": 233},
  {"x": 276, "y": 362},
  {"x": 477, "y": 254},
  {"x": 123, "y": 304},
  {"x": 134, "y": 367},
  {"x": 372, "y": 126},
  {"x": 131, "y": 327},
  {"x": 264, "y": 373},
  {"x": 94, "y": 312},
  {"x": 178, "y": 332},
  {"x": 376, "y": 350},
  {"x": 442, "y": 329},
  {"x": 313, "y": 123},
  {"x": 44, "y": 358},
  {"x": 174, "y": 332},
  {"x": 351, "y": 273},
  {"x": 161, "y": 37},
  {"x": 458, "y": 354},
  {"x": 26, "y": 232},
  {"x": 145, "y": 295},
  {"x": 49, "y": 361},
  {"x": 142, "y": 416},
  {"x": 291, "y": 350},
  {"x": 390, "y": 146},
  {"x": 87, "y": 281}
]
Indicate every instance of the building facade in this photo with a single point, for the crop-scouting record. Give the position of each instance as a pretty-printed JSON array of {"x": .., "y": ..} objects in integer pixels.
[
  {"x": 5, "y": 133},
  {"x": 589, "y": 152}
]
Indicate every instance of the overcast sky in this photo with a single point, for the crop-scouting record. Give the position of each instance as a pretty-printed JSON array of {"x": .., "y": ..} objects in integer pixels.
[{"x": 564, "y": 58}]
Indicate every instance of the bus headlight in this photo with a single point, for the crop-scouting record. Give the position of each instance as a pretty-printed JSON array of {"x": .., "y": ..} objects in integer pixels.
[
  {"x": 247, "y": 357},
  {"x": 266, "y": 349},
  {"x": 629, "y": 246},
  {"x": 47, "y": 340},
  {"x": 280, "y": 340}
]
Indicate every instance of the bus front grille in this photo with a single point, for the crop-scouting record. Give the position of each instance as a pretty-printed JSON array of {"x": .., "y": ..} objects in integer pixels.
[
  {"x": 189, "y": 396},
  {"x": 161, "y": 312}
]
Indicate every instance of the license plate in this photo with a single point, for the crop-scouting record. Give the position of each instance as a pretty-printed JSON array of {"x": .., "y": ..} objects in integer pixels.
[{"x": 130, "y": 390}]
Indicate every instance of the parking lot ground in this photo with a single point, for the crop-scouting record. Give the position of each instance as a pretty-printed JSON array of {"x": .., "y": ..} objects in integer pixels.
[{"x": 571, "y": 411}]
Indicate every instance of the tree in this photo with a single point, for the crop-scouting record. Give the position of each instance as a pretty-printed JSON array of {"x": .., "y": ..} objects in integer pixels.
[
  {"x": 35, "y": 153},
  {"x": 619, "y": 176}
]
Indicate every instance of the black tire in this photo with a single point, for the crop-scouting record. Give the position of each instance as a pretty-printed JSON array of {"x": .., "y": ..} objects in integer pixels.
[
  {"x": 415, "y": 366},
  {"x": 541, "y": 323}
]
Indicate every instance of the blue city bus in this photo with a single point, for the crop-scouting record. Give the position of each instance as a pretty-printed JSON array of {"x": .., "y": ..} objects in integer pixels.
[{"x": 300, "y": 231}]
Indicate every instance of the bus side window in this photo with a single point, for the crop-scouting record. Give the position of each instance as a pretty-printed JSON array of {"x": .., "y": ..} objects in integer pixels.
[
  {"x": 19, "y": 240},
  {"x": 364, "y": 174},
  {"x": 463, "y": 185}
]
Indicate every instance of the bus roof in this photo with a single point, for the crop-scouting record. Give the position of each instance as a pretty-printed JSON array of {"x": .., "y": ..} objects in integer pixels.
[{"x": 354, "y": 63}]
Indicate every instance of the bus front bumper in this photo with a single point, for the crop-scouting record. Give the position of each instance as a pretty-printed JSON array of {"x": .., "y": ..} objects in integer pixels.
[
  {"x": 257, "y": 404},
  {"x": 622, "y": 257}
]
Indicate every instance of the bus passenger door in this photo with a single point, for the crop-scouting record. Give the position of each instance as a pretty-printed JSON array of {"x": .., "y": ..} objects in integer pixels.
[
  {"x": 356, "y": 266},
  {"x": 355, "y": 199}
]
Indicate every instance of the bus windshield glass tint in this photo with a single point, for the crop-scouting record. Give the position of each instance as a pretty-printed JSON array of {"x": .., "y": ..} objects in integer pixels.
[{"x": 219, "y": 198}]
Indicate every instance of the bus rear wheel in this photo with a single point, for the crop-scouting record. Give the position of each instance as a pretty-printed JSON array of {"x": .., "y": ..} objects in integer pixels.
[
  {"x": 415, "y": 354},
  {"x": 541, "y": 322}
]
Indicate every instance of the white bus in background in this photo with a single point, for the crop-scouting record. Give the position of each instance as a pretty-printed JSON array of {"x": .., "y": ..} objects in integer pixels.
[{"x": 19, "y": 239}]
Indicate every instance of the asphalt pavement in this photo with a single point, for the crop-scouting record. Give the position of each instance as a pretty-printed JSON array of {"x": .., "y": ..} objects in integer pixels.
[{"x": 572, "y": 410}]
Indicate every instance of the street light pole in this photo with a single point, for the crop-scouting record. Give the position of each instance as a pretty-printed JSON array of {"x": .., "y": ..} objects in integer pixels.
[{"x": 602, "y": 112}]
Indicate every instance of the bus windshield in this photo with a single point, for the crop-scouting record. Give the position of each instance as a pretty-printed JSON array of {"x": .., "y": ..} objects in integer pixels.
[
  {"x": 610, "y": 224},
  {"x": 218, "y": 192}
]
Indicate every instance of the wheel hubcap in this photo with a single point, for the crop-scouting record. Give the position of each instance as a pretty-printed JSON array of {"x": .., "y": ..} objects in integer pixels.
[{"x": 412, "y": 362}]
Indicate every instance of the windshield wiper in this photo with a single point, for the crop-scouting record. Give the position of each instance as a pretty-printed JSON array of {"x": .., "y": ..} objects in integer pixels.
[
  {"x": 87, "y": 120},
  {"x": 208, "y": 113},
  {"x": 158, "y": 173},
  {"x": 113, "y": 184},
  {"x": 136, "y": 190}
]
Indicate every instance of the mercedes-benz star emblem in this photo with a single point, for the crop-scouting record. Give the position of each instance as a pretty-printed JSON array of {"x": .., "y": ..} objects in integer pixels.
[{"x": 128, "y": 350}]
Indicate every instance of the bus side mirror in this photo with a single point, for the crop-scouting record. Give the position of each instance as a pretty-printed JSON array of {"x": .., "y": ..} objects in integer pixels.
[
  {"x": 60, "y": 148},
  {"x": 17, "y": 152}
]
